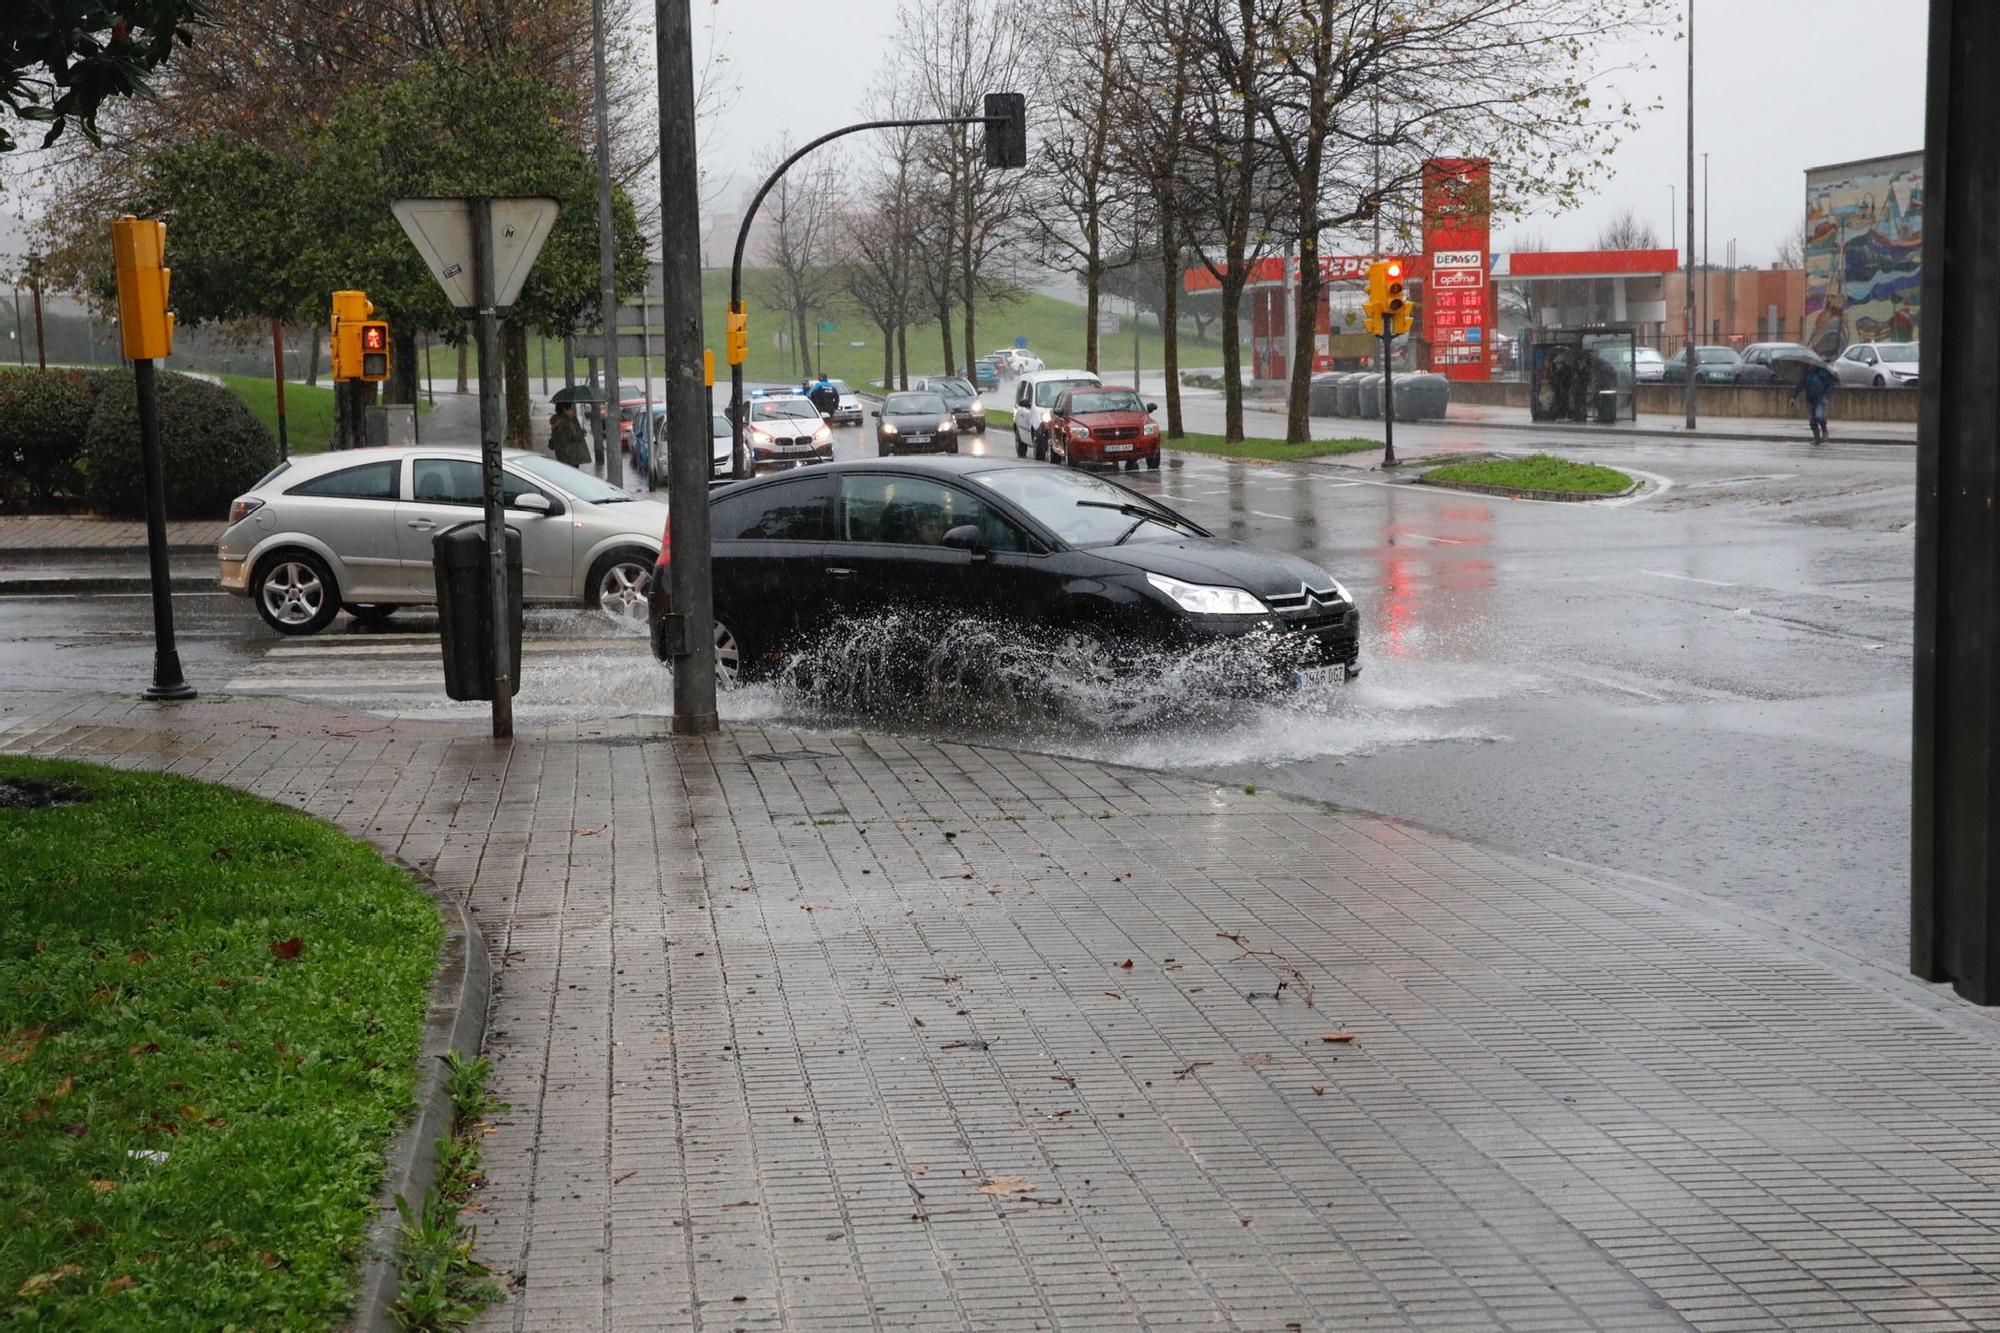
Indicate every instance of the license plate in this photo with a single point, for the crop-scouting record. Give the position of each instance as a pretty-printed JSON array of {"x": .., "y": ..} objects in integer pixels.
[
  {"x": 1117, "y": 448},
  {"x": 919, "y": 439}
]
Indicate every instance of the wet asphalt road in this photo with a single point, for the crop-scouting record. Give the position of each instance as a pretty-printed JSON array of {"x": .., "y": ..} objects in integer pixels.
[{"x": 1706, "y": 686}]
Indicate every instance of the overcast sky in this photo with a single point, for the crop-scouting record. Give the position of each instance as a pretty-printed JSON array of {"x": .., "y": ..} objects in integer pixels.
[{"x": 1780, "y": 85}]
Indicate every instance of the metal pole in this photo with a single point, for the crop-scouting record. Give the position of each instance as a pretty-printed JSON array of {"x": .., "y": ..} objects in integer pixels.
[
  {"x": 653, "y": 441},
  {"x": 689, "y": 625},
  {"x": 542, "y": 339},
  {"x": 607, "y": 255},
  {"x": 1707, "y": 273},
  {"x": 1687, "y": 313},
  {"x": 430, "y": 386},
  {"x": 1673, "y": 223},
  {"x": 278, "y": 383},
  {"x": 20, "y": 330},
  {"x": 35, "y": 286},
  {"x": 491, "y": 425},
  {"x": 168, "y": 682},
  {"x": 1388, "y": 396}
]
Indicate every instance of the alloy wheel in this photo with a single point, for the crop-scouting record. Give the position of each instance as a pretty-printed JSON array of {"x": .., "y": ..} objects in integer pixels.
[
  {"x": 728, "y": 657},
  {"x": 622, "y": 591},
  {"x": 293, "y": 593}
]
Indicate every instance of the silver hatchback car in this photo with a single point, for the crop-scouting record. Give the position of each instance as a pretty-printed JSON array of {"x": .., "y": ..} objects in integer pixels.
[{"x": 352, "y": 530}]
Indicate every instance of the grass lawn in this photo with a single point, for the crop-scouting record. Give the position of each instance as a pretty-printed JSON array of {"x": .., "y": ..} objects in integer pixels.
[
  {"x": 308, "y": 410},
  {"x": 1537, "y": 472},
  {"x": 1270, "y": 451},
  {"x": 210, "y": 1011}
]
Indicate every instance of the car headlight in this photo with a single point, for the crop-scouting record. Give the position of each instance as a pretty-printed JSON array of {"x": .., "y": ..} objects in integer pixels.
[
  {"x": 1080, "y": 432},
  {"x": 948, "y": 426},
  {"x": 978, "y": 405},
  {"x": 759, "y": 437},
  {"x": 822, "y": 435},
  {"x": 1204, "y": 600},
  {"x": 1152, "y": 429},
  {"x": 888, "y": 428}
]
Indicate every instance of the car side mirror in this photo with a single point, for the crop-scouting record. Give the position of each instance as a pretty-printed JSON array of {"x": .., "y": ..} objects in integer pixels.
[
  {"x": 1152, "y": 407},
  {"x": 876, "y": 415},
  {"x": 966, "y": 537},
  {"x": 534, "y": 502}
]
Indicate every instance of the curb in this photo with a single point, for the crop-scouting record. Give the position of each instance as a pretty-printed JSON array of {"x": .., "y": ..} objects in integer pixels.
[
  {"x": 99, "y": 583},
  {"x": 1642, "y": 432},
  {"x": 1516, "y": 493},
  {"x": 204, "y": 551},
  {"x": 454, "y": 1021}
]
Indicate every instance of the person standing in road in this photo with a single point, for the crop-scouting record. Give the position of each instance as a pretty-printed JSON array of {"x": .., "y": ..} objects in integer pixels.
[
  {"x": 825, "y": 397},
  {"x": 566, "y": 438},
  {"x": 1817, "y": 385}
]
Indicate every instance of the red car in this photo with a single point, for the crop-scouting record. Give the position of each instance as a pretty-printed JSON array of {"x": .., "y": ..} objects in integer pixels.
[{"x": 1103, "y": 424}]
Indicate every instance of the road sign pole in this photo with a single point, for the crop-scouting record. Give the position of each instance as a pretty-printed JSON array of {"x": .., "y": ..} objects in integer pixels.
[
  {"x": 278, "y": 383},
  {"x": 614, "y": 462},
  {"x": 490, "y": 428},
  {"x": 1388, "y": 395},
  {"x": 168, "y": 682}
]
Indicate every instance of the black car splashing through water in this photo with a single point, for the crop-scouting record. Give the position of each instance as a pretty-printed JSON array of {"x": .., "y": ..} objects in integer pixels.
[{"x": 1060, "y": 557}]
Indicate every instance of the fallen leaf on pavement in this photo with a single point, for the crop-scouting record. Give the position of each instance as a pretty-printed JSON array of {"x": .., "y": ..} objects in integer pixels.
[
  {"x": 1006, "y": 1187},
  {"x": 592, "y": 832},
  {"x": 41, "y": 1282},
  {"x": 287, "y": 949},
  {"x": 1338, "y": 1036},
  {"x": 1126, "y": 963},
  {"x": 1319, "y": 1089},
  {"x": 627, "y": 1176}
]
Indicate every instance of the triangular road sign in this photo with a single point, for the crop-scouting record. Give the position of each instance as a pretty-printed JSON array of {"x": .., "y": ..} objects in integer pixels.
[{"x": 441, "y": 229}]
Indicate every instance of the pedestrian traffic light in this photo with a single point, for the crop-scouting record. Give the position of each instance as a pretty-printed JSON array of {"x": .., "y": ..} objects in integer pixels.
[
  {"x": 139, "y": 252},
  {"x": 737, "y": 348},
  {"x": 350, "y": 313},
  {"x": 1006, "y": 130},
  {"x": 374, "y": 350}
]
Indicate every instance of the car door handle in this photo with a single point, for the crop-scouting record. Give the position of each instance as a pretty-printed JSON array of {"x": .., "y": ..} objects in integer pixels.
[
  {"x": 839, "y": 573},
  {"x": 422, "y": 523}
]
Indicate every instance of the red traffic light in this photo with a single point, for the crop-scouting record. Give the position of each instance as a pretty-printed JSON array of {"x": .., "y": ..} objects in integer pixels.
[
  {"x": 1395, "y": 270},
  {"x": 374, "y": 337}
]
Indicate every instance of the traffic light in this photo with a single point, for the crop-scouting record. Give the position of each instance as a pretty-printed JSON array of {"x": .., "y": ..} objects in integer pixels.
[
  {"x": 1397, "y": 306},
  {"x": 374, "y": 350},
  {"x": 139, "y": 252},
  {"x": 708, "y": 367},
  {"x": 350, "y": 313},
  {"x": 1006, "y": 130},
  {"x": 737, "y": 348}
]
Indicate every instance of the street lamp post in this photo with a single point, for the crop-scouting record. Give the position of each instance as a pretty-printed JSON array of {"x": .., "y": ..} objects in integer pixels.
[
  {"x": 607, "y": 254},
  {"x": 1687, "y": 310},
  {"x": 35, "y": 286}
]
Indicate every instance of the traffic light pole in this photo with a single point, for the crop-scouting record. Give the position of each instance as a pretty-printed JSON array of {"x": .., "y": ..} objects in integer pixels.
[
  {"x": 1388, "y": 394},
  {"x": 168, "y": 682},
  {"x": 487, "y": 335},
  {"x": 739, "y": 465}
]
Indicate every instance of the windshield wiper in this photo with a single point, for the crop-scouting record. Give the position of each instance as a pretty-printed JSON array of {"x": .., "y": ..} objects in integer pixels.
[{"x": 1140, "y": 514}]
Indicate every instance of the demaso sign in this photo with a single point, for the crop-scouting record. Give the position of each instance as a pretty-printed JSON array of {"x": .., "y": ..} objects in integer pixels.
[{"x": 1458, "y": 313}]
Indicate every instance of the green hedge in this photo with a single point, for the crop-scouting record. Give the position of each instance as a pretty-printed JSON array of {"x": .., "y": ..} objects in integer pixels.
[
  {"x": 212, "y": 446},
  {"x": 44, "y": 416}
]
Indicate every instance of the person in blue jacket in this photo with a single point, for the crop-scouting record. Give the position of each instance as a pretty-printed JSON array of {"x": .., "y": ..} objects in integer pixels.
[{"x": 1817, "y": 384}]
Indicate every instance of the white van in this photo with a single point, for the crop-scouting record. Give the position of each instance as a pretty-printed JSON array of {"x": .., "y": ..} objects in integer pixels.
[{"x": 1034, "y": 394}]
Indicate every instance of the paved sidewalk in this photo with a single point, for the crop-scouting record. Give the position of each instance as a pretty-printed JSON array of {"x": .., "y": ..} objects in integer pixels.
[
  {"x": 27, "y": 535},
  {"x": 773, "y": 1010}
]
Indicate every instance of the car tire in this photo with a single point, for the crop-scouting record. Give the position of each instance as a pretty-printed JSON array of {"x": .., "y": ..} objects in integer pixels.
[
  {"x": 1020, "y": 450},
  {"x": 295, "y": 592},
  {"x": 1153, "y": 462},
  {"x": 1041, "y": 439},
  {"x": 1881, "y": 383},
  {"x": 730, "y": 658},
  {"x": 619, "y": 584}
]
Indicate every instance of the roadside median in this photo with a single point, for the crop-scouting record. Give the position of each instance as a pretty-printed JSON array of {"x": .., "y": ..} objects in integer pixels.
[{"x": 1535, "y": 477}]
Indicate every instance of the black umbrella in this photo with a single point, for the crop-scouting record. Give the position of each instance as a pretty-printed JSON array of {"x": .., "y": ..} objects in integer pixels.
[{"x": 577, "y": 393}]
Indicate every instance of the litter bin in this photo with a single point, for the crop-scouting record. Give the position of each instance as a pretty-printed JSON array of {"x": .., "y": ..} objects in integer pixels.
[
  {"x": 1347, "y": 394},
  {"x": 1321, "y": 399},
  {"x": 1607, "y": 406},
  {"x": 1368, "y": 399},
  {"x": 458, "y": 562},
  {"x": 1422, "y": 396}
]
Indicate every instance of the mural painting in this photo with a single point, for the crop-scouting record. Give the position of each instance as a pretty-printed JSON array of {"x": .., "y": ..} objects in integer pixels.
[{"x": 1863, "y": 252}]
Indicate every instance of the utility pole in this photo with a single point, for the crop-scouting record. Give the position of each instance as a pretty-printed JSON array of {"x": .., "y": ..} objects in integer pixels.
[
  {"x": 492, "y": 419},
  {"x": 1707, "y": 272},
  {"x": 1687, "y": 311},
  {"x": 1388, "y": 393},
  {"x": 607, "y": 255},
  {"x": 20, "y": 330},
  {"x": 278, "y": 383},
  {"x": 691, "y": 608},
  {"x": 35, "y": 286}
]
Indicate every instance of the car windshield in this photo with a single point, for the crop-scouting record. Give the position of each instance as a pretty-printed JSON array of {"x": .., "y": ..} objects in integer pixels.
[
  {"x": 912, "y": 404},
  {"x": 1081, "y": 509},
  {"x": 1720, "y": 355},
  {"x": 1900, "y": 353},
  {"x": 952, "y": 384},
  {"x": 1648, "y": 355},
  {"x": 718, "y": 426},
  {"x": 783, "y": 409},
  {"x": 840, "y": 385},
  {"x": 1048, "y": 391},
  {"x": 1117, "y": 400},
  {"x": 566, "y": 478}
]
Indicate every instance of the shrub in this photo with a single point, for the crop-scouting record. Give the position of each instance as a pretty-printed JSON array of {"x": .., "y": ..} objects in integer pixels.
[
  {"x": 212, "y": 447},
  {"x": 44, "y": 417}
]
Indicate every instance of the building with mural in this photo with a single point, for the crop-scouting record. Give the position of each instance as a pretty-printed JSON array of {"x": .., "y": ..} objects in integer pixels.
[{"x": 1864, "y": 236}]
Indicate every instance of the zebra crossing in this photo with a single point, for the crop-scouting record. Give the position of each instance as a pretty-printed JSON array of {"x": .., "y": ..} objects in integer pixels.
[{"x": 401, "y": 674}]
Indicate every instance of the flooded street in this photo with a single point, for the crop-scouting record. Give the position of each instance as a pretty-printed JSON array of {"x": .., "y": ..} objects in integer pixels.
[{"x": 1707, "y": 686}]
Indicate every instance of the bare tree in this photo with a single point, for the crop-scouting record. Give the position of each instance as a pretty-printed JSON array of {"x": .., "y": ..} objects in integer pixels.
[
  {"x": 1791, "y": 246},
  {"x": 880, "y": 244},
  {"x": 1524, "y": 298},
  {"x": 1083, "y": 208},
  {"x": 1627, "y": 231},
  {"x": 800, "y": 222}
]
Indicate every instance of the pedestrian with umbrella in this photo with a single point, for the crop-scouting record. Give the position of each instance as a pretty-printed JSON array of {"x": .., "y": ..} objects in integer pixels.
[
  {"x": 1816, "y": 382},
  {"x": 566, "y": 438}
]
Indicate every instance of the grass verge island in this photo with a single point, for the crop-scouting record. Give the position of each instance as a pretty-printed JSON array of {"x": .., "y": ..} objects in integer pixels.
[
  {"x": 210, "y": 1013},
  {"x": 1543, "y": 473}
]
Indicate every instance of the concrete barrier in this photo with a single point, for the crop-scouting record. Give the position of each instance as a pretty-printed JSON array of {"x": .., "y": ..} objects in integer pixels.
[{"x": 1719, "y": 400}]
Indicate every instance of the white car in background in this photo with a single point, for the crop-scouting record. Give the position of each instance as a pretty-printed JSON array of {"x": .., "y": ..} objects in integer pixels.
[
  {"x": 1015, "y": 360},
  {"x": 1877, "y": 366},
  {"x": 351, "y": 530},
  {"x": 1034, "y": 394},
  {"x": 720, "y": 442}
]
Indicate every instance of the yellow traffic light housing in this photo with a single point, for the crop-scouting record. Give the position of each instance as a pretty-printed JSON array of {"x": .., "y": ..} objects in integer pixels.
[
  {"x": 708, "y": 367},
  {"x": 350, "y": 314},
  {"x": 737, "y": 348},
  {"x": 374, "y": 335},
  {"x": 139, "y": 252},
  {"x": 1396, "y": 304}
]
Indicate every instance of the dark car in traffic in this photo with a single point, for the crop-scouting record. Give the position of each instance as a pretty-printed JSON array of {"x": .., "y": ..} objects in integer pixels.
[
  {"x": 967, "y": 407},
  {"x": 1052, "y": 551},
  {"x": 1103, "y": 424},
  {"x": 1713, "y": 365},
  {"x": 915, "y": 423},
  {"x": 1777, "y": 363}
]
